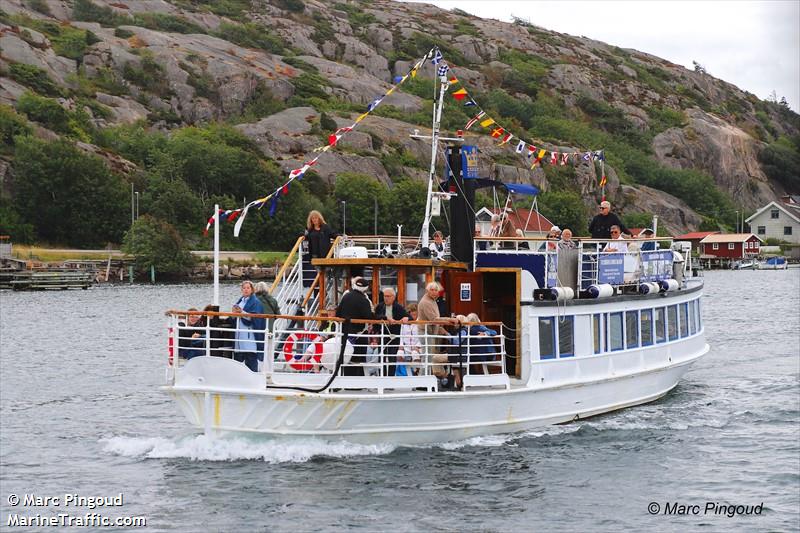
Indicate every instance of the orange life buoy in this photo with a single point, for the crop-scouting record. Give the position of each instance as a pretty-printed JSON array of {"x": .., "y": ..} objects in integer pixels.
[{"x": 293, "y": 359}]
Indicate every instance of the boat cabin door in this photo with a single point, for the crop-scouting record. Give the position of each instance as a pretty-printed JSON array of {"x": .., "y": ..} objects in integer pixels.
[
  {"x": 465, "y": 293},
  {"x": 494, "y": 295}
]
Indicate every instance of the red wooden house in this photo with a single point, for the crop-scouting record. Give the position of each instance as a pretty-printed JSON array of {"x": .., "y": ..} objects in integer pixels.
[
  {"x": 732, "y": 246},
  {"x": 695, "y": 237}
]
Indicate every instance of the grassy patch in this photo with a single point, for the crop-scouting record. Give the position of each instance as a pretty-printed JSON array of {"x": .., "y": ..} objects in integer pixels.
[
  {"x": 41, "y": 253},
  {"x": 67, "y": 41},
  {"x": 355, "y": 15},
  {"x": 34, "y": 78},
  {"x": 251, "y": 35},
  {"x": 148, "y": 75},
  {"x": 50, "y": 114}
]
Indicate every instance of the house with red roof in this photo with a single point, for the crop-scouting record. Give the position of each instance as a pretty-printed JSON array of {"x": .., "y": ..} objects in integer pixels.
[
  {"x": 695, "y": 237},
  {"x": 532, "y": 223},
  {"x": 727, "y": 247}
]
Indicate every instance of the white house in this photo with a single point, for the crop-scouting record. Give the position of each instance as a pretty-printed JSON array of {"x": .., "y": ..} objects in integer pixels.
[{"x": 777, "y": 220}]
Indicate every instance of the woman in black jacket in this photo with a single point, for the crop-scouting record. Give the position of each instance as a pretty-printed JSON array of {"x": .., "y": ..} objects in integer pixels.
[{"x": 319, "y": 235}]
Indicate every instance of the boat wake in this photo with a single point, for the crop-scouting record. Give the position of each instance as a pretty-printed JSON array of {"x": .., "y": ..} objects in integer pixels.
[{"x": 237, "y": 448}]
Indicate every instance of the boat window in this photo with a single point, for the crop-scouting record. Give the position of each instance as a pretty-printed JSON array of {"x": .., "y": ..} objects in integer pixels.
[
  {"x": 647, "y": 327},
  {"x": 698, "y": 315},
  {"x": 415, "y": 284},
  {"x": 692, "y": 319},
  {"x": 661, "y": 328},
  {"x": 547, "y": 348},
  {"x": 615, "y": 331},
  {"x": 672, "y": 322},
  {"x": 631, "y": 329},
  {"x": 566, "y": 336},
  {"x": 388, "y": 278},
  {"x": 684, "y": 320},
  {"x": 597, "y": 332}
]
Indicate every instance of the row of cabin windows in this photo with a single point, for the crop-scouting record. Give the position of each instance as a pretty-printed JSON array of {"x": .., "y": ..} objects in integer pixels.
[
  {"x": 622, "y": 330},
  {"x": 762, "y": 230}
]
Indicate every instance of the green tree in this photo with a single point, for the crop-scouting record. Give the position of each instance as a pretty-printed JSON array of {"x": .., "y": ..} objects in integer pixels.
[
  {"x": 69, "y": 197},
  {"x": 11, "y": 125},
  {"x": 407, "y": 205},
  {"x": 155, "y": 242},
  {"x": 12, "y": 224},
  {"x": 360, "y": 192},
  {"x": 565, "y": 209}
]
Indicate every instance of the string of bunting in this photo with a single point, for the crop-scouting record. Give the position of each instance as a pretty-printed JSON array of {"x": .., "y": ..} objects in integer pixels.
[
  {"x": 238, "y": 215},
  {"x": 497, "y": 131},
  {"x": 537, "y": 156}
]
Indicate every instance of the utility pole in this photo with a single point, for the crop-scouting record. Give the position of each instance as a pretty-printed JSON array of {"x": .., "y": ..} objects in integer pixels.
[
  {"x": 137, "y": 205},
  {"x": 376, "y": 215},
  {"x": 132, "y": 213},
  {"x": 344, "y": 217}
]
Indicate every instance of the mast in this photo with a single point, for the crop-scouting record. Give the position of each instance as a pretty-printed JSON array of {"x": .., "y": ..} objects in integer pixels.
[{"x": 437, "y": 117}]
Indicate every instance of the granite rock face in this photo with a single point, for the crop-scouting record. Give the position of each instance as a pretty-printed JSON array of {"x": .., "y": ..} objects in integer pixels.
[{"x": 352, "y": 52}]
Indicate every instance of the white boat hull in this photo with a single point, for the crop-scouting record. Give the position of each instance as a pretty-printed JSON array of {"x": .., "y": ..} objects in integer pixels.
[{"x": 219, "y": 395}]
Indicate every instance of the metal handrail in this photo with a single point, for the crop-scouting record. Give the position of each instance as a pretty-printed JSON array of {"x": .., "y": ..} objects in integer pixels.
[{"x": 285, "y": 264}]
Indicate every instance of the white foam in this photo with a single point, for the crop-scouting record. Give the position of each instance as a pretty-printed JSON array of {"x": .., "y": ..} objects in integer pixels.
[{"x": 235, "y": 448}]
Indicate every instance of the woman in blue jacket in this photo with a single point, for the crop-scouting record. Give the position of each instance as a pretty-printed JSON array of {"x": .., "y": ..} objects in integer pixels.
[{"x": 249, "y": 346}]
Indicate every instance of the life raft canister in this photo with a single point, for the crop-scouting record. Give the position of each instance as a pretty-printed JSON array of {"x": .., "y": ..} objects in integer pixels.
[{"x": 294, "y": 359}]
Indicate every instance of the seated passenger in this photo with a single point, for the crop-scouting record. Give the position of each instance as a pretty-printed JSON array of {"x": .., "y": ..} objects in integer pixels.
[
  {"x": 524, "y": 244},
  {"x": 437, "y": 246},
  {"x": 566, "y": 242},
  {"x": 191, "y": 338},
  {"x": 647, "y": 246},
  {"x": 481, "y": 347},
  {"x": 457, "y": 353},
  {"x": 614, "y": 245},
  {"x": 552, "y": 238},
  {"x": 409, "y": 351}
]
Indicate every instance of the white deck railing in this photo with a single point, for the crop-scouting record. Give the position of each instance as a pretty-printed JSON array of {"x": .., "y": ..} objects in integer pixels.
[{"x": 305, "y": 354}]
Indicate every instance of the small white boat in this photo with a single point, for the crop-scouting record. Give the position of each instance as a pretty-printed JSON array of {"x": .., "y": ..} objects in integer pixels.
[
  {"x": 747, "y": 264},
  {"x": 773, "y": 263}
]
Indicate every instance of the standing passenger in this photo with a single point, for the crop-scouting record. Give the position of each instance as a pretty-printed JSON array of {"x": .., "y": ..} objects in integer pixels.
[
  {"x": 600, "y": 226},
  {"x": 356, "y": 305},
  {"x": 319, "y": 235},
  {"x": 249, "y": 331}
]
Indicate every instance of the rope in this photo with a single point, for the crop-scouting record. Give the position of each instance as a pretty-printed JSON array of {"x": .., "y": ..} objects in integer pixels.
[{"x": 345, "y": 327}]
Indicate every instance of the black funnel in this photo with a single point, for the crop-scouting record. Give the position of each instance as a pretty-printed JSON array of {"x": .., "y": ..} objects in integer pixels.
[{"x": 462, "y": 215}]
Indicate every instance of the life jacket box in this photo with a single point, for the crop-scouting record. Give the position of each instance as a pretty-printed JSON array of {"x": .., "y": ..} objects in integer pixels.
[{"x": 353, "y": 252}]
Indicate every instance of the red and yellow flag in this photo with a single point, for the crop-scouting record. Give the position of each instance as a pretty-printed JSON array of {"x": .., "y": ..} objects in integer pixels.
[{"x": 460, "y": 94}]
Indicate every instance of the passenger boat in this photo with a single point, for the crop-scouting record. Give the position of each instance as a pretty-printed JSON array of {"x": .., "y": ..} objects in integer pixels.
[{"x": 579, "y": 332}]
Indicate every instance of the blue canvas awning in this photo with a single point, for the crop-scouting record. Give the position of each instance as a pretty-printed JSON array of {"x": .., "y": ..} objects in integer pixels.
[
  {"x": 514, "y": 188},
  {"x": 522, "y": 188}
]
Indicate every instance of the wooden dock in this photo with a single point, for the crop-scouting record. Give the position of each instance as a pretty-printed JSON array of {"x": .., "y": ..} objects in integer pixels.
[{"x": 30, "y": 280}]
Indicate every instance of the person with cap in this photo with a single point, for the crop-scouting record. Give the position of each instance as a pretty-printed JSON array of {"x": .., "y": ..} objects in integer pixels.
[
  {"x": 647, "y": 246},
  {"x": 552, "y": 238},
  {"x": 356, "y": 305},
  {"x": 600, "y": 226}
]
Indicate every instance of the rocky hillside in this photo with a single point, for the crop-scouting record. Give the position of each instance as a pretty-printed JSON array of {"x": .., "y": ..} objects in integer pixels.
[{"x": 120, "y": 77}]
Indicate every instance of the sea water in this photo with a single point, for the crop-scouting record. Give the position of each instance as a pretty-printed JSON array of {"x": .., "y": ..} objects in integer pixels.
[{"x": 81, "y": 416}]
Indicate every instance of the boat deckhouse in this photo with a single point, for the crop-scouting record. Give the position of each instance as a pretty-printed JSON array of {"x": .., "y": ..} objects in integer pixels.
[{"x": 777, "y": 220}]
